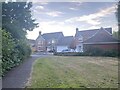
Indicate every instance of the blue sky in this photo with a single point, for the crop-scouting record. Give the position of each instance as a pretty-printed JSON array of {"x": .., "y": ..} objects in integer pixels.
[{"x": 66, "y": 16}]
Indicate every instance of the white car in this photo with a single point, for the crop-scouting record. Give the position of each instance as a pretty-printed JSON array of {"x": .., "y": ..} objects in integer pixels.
[{"x": 66, "y": 50}]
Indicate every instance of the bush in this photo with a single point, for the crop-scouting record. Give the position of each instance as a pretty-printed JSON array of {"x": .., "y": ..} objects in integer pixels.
[
  {"x": 91, "y": 52},
  {"x": 68, "y": 54},
  {"x": 13, "y": 51}
]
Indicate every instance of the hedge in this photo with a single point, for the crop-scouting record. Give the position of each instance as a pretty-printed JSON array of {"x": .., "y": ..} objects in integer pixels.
[
  {"x": 13, "y": 51},
  {"x": 91, "y": 52}
]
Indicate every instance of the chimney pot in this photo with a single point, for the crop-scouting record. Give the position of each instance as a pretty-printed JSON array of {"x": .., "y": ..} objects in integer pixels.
[
  {"x": 39, "y": 32},
  {"x": 77, "y": 29}
]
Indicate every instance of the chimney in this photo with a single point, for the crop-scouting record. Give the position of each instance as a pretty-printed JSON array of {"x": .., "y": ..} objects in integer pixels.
[
  {"x": 101, "y": 28},
  {"x": 77, "y": 29},
  {"x": 39, "y": 32}
]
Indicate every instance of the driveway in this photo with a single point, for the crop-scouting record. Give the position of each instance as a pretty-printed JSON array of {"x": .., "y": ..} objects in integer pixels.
[{"x": 18, "y": 76}]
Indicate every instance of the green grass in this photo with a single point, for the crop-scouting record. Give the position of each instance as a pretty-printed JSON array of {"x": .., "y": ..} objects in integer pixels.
[{"x": 75, "y": 72}]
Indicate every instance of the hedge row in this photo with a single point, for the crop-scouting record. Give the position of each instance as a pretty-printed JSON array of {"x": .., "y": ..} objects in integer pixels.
[
  {"x": 91, "y": 52},
  {"x": 13, "y": 51}
]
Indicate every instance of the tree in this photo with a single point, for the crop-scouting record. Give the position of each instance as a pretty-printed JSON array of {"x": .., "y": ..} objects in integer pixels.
[
  {"x": 73, "y": 44},
  {"x": 118, "y": 17},
  {"x": 17, "y": 18},
  {"x": 116, "y": 34}
]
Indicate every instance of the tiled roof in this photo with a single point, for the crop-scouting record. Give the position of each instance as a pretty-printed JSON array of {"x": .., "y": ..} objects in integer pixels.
[
  {"x": 101, "y": 36},
  {"x": 31, "y": 41},
  {"x": 88, "y": 33},
  {"x": 65, "y": 41},
  {"x": 56, "y": 35}
]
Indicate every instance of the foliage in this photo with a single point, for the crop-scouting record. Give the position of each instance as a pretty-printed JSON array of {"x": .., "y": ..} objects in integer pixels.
[
  {"x": 73, "y": 44},
  {"x": 17, "y": 18},
  {"x": 8, "y": 45},
  {"x": 116, "y": 34},
  {"x": 23, "y": 48},
  {"x": 91, "y": 52},
  {"x": 12, "y": 53},
  {"x": 118, "y": 13}
]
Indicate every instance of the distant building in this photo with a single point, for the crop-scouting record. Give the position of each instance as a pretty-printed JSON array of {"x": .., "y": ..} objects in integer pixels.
[
  {"x": 40, "y": 43},
  {"x": 64, "y": 43},
  {"x": 99, "y": 38},
  {"x": 56, "y": 42}
]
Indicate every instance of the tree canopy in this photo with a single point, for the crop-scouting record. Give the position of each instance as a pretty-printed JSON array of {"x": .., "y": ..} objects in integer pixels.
[{"x": 17, "y": 18}]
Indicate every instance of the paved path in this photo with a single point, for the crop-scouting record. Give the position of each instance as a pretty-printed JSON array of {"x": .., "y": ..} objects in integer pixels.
[{"x": 18, "y": 76}]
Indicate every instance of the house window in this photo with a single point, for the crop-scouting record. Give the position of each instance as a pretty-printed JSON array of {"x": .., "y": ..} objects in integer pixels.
[
  {"x": 80, "y": 39},
  {"x": 53, "y": 41},
  {"x": 49, "y": 42},
  {"x": 40, "y": 43},
  {"x": 79, "y": 48}
]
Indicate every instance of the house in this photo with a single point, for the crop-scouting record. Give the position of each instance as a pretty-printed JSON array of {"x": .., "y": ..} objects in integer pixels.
[
  {"x": 40, "y": 44},
  {"x": 64, "y": 43},
  {"x": 98, "y": 38},
  {"x": 48, "y": 41}
]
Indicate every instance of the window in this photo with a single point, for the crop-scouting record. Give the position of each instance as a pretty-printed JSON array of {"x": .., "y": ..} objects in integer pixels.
[
  {"x": 53, "y": 41},
  {"x": 80, "y": 39},
  {"x": 40, "y": 43}
]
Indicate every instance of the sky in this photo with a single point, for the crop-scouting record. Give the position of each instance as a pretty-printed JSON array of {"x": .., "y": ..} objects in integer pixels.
[{"x": 67, "y": 16}]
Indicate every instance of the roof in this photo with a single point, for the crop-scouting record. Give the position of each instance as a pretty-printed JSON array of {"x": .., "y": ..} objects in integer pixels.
[
  {"x": 101, "y": 36},
  {"x": 65, "y": 41},
  {"x": 31, "y": 41},
  {"x": 88, "y": 33},
  {"x": 55, "y": 35}
]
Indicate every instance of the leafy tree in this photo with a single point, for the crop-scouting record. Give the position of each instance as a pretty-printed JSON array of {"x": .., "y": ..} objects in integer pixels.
[
  {"x": 73, "y": 44},
  {"x": 17, "y": 18},
  {"x": 116, "y": 34},
  {"x": 118, "y": 17}
]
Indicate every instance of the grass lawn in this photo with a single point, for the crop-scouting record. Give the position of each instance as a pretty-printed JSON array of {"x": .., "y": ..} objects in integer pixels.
[{"x": 74, "y": 72}]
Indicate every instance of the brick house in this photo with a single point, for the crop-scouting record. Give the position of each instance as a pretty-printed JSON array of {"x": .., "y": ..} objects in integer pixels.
[
  {"x": 40, "y": 43},
  {"x": 98, "y": 38},
  {"x": 48, "y": 41}
]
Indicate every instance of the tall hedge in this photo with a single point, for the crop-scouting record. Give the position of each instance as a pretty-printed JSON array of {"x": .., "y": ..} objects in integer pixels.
[
  {"x": 13, "y": 51},
  {"x": 16, "y": 20}
]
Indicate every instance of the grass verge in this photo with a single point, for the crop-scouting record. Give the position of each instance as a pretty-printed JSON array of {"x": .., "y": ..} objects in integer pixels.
[{"x": 75, "y": 72}]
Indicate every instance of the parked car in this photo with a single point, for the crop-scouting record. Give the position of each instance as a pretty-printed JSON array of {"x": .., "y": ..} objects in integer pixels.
[{"x": 66, "y": 50}]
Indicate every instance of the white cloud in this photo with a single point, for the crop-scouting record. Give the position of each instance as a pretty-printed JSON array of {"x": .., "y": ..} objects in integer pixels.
[
  {"x": 94, "y": 27},
  {"x": 39, "y": 7},
  {"x": 93, "y": 19},
  {"x": 73, "y": 9},
  {"x": 53, "y": 26},
  {"x": 44, "y": 3},
  {"x": 54, "y": 13}
]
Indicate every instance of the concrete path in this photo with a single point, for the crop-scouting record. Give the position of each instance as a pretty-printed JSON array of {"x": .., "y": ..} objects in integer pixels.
[{"x": 18, "y": 76}]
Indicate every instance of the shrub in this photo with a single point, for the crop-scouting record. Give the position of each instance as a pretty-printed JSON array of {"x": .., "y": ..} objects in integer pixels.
[
  {"x": 91, "y": 52},
  {"x": 13, "y": 51},
  {"x": 8, "y": 45}
]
